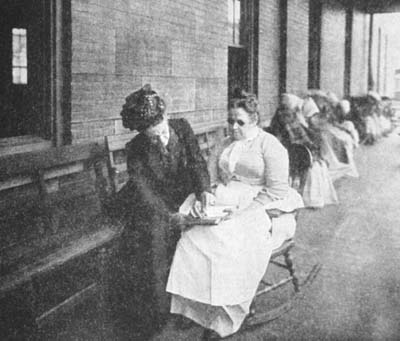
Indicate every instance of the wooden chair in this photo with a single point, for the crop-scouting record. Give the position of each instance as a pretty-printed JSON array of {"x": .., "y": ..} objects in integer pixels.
[
  {"x": 300, "y": 159},
  {"x": 256, "y": 317}
]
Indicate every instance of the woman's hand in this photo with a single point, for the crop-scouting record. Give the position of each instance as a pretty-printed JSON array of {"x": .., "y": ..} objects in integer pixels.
[
  {"x": 207, "y": 199},
  {"x": 199, "y": 208},
  {"x": 223, "y": 177}
]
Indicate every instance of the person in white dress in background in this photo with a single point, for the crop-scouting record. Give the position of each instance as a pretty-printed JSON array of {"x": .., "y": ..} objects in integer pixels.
[
  {"x": 342, "y": 111},
  {"x": 336, "y": 144},
  {"x": 290, "y": 126},
  {"x": 216, "y": 269}
]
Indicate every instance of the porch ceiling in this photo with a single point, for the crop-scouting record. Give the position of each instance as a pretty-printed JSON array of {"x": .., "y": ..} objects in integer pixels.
[{"x": 378, "y": 6}]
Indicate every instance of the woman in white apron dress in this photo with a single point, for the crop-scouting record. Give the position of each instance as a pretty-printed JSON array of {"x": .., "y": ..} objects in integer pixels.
[{"x": 216, "y": 269}]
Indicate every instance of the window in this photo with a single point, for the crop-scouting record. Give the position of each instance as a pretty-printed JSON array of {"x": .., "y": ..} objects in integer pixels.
[
  {"x": 19, "y": 56},
  {"x": 34, "y": 72},
  {"x": 243, "y": 47},
  {"x": 234, "y": 19}
]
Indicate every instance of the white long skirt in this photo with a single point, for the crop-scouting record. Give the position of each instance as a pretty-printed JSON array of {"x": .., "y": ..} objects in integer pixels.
[
  {"x": 216, "y": 269},
  {"x": 337, "y": 169},
  {"x": 318, "y": 189}
]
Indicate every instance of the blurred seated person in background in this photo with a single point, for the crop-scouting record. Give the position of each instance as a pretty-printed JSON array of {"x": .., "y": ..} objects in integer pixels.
[
  {"x": 216, "y": 269},
  {"x": 288, "y": 123},
  {"x": 359, "y": 115},
  {"x": 378, "y": 118},
  {"x": 165, "y": 166},
  {"x": 290, "y": 126},
  {"x": 336, "y": 145},
  {"x": 375, "y": 101},
  {"x": 386, "y": 115},
  {"x": 341, "y": 113},
  {"x": 372, "y": 118}
]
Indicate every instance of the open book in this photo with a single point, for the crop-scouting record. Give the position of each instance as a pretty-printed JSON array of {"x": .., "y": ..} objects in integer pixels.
[{"x": 213, "y": 215}]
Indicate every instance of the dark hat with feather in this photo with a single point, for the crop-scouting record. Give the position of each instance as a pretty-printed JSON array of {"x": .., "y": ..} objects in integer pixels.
[{"x": 142, "y": 109}]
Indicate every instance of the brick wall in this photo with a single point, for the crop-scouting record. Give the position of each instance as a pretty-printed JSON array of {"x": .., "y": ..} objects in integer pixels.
[
  {"x": 297, "y": 46},
  {"x": 332, "y": 47},
  {"x": 179, "y": 46},
  {"x": 359, "y": 62},
  {"x": 269, "y": 53}
]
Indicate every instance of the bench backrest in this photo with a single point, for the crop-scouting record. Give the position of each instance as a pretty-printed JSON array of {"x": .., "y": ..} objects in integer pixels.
[
  {"x": 116, "y": 160},
  {"x": 46, "y": 194},
  {"x": 115, "y": 146}
]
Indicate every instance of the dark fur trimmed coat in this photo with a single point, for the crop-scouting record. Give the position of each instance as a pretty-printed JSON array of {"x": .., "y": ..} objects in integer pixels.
[{"x": 160, "y": 179}]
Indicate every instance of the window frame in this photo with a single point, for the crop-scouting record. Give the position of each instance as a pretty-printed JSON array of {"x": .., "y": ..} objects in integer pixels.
[{"x": 60, "y": 75}]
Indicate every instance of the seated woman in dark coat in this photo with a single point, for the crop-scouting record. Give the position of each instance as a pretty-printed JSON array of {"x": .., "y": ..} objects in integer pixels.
[{"x": 165, "y": 166}]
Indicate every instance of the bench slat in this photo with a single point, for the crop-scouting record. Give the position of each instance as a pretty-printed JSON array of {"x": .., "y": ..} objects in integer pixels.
[
  {"x": 118, "y": 142},
  {"x": 61, "y": 256},
  {"x": 25, "y": 163},
  {"x": 54, "y": 314},
  {"x": 48, "y": 175}
]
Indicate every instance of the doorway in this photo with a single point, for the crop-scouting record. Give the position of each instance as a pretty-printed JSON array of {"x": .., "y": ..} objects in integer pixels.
[
  {"x": 243, "y": 48},
  {"x": 24, "y": 68}
]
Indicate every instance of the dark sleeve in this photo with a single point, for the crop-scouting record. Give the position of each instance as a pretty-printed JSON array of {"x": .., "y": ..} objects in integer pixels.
[
  {"x": 278, "y": 130},
  {"x": 315, "y": 145},
  {"x": 308, "y": 141},
  {"x": 141, "y": 183},
  {"x": 197, "y": 166}
]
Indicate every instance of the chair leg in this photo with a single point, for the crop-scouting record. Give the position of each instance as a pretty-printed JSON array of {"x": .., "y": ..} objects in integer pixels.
[{"x": 290, "y": 266}]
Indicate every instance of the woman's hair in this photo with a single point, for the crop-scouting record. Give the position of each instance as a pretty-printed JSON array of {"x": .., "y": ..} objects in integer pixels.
[
  {"x": 248, "y": 102},
  {"x": 142, "y": 109}
]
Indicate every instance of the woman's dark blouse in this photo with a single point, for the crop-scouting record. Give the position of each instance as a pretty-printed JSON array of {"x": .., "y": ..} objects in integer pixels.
[{"x": 162, "y": 177}]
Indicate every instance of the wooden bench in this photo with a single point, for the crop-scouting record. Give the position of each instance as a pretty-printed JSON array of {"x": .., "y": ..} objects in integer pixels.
[{"x": 55, "y": 241}]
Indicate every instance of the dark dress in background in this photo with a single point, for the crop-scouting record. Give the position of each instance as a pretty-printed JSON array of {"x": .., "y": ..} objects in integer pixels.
[
  {"x": 160, "y": 179},
  {"x": 295, "y": 133}
]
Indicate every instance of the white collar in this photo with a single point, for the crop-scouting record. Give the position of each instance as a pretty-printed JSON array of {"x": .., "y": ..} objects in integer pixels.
[{"x": 252, "y": 134}]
